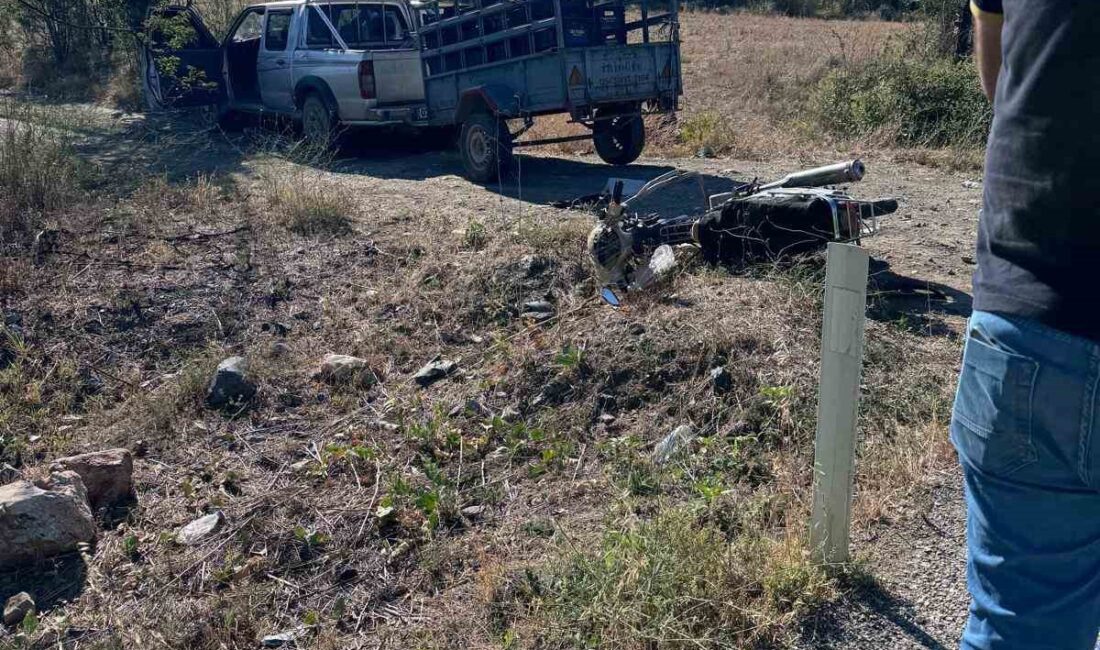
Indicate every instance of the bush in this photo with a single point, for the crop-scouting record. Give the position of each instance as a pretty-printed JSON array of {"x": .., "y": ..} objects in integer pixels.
[{"x": 926, "y": 102}]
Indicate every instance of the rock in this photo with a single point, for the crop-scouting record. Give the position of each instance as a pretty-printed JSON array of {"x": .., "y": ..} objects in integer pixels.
[
  {"x": 343, "y": 369},
  {"x": 537, "y": 316},
  {"x": 43, "y": 521},
  {"x": 434, "y": 371},
  {"x": 721, "y": 380},
  {"x": 606, "y": 418},
  {"x": 17, "y": 608},
  {"x": 278, "y": 640},
  {"x": 672, "y": 443},
  {"x": 230, "y": 384},
  {"x": 279, "y": 350},
  {"x": 287, "y": 639},
  {"x": 200, "y": 529},
  {"x": 473, "y": 512},
  {"x": 108, "y": 475},
  {"x": 972, "y": 185},
  {"x": 538, "y": 306}
]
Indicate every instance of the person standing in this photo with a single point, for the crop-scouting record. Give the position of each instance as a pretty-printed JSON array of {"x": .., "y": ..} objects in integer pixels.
[{"x": 1026, "y": 420}]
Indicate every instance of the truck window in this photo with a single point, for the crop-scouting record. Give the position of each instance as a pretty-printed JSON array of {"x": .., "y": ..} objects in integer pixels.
[
  {"x": 278, "y": 30},
  {"x": 318, "y": 35},
  {"x": 364, "y": 24},
  {"x": 250, "y": 28},
  {"x": 395, "y": 25}
]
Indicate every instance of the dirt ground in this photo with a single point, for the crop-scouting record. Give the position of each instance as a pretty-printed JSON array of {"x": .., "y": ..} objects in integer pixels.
[{"x": 202, "y": 258}]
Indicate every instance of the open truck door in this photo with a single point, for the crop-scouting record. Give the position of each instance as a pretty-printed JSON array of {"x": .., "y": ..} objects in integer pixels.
[{"x": 181, "y": 61}]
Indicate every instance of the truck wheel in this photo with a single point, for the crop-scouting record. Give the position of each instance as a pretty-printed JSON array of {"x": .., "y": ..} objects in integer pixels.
[
  {"x": 486, "y": 147},
  {"x": 317, "y": 120},
  {"x": 619, "y": 141}
]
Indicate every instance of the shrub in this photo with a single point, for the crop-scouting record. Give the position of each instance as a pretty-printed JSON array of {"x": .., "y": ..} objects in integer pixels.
[
  {"x": 929, "y": 102},
  {"x": 306, "y": 208}
]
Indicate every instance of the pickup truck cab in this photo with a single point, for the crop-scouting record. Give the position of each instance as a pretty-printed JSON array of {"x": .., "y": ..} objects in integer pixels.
[{"x": 482, "y": 66}]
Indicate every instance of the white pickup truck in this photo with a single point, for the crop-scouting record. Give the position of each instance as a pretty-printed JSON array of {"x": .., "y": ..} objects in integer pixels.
[{"x": 488, "y": 67}]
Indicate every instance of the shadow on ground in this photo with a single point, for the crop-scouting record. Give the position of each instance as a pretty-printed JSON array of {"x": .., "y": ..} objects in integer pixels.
[
  {"x": 918, "y": 305},
  {"x": 50, "y": 582},
  {"x": 887, "y": 615},
  {"x": 179, "y": 147}
]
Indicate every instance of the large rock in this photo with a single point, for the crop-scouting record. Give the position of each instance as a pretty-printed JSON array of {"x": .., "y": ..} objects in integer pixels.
[
  {"x": 344, "y": 369},
  {"x": 230, "y": 385},
  {"x": 107, "y": 475},
  {"x": 38, "y": 522},
  {"x": 17, "y": 608}
]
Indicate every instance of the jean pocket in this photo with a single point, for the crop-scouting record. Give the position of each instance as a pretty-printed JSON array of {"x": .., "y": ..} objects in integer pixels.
[{"x": 991, "y": 420}]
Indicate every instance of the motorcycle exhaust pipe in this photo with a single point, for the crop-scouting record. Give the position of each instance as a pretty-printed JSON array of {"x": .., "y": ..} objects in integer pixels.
[{"x": 843, "y": 172}]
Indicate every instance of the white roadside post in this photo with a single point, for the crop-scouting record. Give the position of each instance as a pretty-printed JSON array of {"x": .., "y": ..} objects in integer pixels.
[{"x": 838, "y": 401}]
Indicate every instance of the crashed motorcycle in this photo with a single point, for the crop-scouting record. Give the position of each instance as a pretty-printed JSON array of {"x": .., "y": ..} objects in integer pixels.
[{"x": 754, "y": 223}]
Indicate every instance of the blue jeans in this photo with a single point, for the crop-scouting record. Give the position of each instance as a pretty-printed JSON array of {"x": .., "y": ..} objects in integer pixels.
[{"x": 1024, "y": 423}]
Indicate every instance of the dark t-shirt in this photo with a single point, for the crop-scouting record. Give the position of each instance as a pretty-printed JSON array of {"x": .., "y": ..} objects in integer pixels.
[{"x": 1039, "y": 233}]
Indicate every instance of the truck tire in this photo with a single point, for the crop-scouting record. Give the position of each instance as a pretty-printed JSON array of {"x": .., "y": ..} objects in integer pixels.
[
  {"x": 620, "y": 140},
  {"x": 486, "y": 147},
  {"x": 318, "y": 122}
]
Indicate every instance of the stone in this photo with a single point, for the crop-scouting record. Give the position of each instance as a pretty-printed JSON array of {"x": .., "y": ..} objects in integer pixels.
[
  {"x": 230, "y": 384},
  {"x": 473, "y": 512},
  {"x": 17, "y": 608},
  {"x": 286, "y": 639},
  {"x": 108, "y": 475},
  {"x": 721, "y": 380},
  {"x": 343, "y": 369},
  {"x": 537, "y": 316},
  {"x": 673, "y": 442},
  {"x": 200, "y": 529},
  {"x": 39, "y": 521},
  {"x": 434, "y": 371},
  {"x": 538, "y": 306}
]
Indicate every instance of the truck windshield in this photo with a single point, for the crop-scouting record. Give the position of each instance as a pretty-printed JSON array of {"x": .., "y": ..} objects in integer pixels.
[{"x": 363, "y": 24}]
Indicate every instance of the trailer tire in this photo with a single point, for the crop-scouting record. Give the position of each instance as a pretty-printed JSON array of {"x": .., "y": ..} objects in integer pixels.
[
  {"x": 318, "y": 121},
  {"x": 620, "y": 140},
  {"x": 486, "y": 147}
]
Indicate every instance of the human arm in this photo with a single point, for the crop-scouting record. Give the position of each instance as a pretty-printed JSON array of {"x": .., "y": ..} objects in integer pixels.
[{"x": 988, "y": 22}]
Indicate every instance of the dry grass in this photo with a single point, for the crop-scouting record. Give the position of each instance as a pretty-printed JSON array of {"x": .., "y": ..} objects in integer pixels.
[{"x": 345, "y": 503}]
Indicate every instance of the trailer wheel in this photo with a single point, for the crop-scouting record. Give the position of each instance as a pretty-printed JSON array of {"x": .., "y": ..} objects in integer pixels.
[
  {"x": 317, "y": 120},
  {"x": 620, "y": 140},
  {"x": 486, "y": 147}
]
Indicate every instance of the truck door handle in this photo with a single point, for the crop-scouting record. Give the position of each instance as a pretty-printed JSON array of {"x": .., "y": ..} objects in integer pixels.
[{"x": 280, "y": 61}]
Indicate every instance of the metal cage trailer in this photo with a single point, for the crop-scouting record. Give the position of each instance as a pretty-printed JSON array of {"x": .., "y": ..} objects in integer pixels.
[{"x": 491, "y": 63}]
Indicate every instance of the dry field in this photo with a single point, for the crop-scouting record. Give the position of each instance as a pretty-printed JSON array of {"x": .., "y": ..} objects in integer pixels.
[
  {"x": 745, "y": 79},
  {"x": 514, "y": 504}
]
